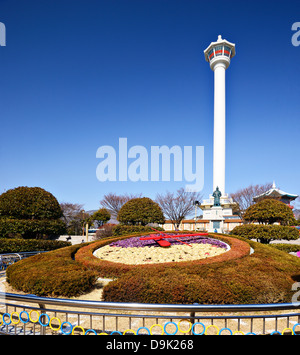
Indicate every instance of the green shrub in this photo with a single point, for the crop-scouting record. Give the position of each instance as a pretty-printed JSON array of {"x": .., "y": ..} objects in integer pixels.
[
  {"x": 14, "y": 245},
  {"x": 266, "y": 233}
]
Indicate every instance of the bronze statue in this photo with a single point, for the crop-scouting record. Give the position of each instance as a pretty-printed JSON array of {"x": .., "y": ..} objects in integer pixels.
[{"x": 217, "y": 194}]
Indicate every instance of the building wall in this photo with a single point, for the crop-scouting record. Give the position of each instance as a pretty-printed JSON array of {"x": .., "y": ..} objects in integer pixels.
[{"x": 202, "y": 225}]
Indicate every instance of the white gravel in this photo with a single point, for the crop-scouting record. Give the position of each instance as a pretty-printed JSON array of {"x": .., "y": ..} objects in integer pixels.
[{"x": 153, "y": 255}]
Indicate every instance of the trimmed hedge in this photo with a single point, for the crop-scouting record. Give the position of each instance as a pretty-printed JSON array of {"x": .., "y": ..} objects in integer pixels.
[
  {"x": 266, "y": 233},
  {"x": 54, "y": 273},
  {"x": 288, "y": 248},
  {"x": 31, "y": 228},
  {"x": 25, "y": 245},
  {"x": 266, "y": 276}
]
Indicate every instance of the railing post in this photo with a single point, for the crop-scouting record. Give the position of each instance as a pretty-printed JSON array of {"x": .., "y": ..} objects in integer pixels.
[
  {"x": 43, "y": 329},
  {"x": 192, "y": 320}
]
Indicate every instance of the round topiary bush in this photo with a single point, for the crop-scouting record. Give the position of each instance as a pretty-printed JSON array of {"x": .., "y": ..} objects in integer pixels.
[
  {"x": 270, "y": 211},
  {"x": 30, "y": 212},
  {"x": 29, "y": 203},
  {"x": 101, "y": 217},
  {"x": 141, "y": 211}
]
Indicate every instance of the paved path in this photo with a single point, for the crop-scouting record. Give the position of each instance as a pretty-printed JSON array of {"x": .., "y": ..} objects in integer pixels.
[
  {"x": 2, "y": 280},
  {"x": 283, "y": 241}
]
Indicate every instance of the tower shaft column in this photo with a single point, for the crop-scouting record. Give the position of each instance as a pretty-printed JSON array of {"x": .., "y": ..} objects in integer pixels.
[
  {"x": 219, "y": 128},
  {"x": 218, "y": 54}
]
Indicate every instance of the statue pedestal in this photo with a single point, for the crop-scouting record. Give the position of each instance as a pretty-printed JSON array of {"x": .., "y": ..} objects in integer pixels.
[
  {"x": 216, "y": 222},
  {"x": 217, "y": 214}
]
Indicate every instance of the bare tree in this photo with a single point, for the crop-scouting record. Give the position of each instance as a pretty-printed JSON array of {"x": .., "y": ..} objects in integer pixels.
[
  {"x": 244, "y": 197},
  {"x": 70, "y": 210},
  {"x": 176, "y": 206},
  {"x": 74, "y": 216},
  {"x": 113, "y": 202}
]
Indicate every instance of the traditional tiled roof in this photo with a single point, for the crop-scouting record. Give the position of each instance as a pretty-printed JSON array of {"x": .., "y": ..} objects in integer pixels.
[{"x": 275, "y": 192}]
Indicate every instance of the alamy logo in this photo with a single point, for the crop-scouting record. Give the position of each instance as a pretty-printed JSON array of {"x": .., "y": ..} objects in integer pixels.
[
  {"x": 2, "y": 35},
  {"x": 295, "y": 298},
  {"x": 137, "y": 164},
  {"x": 296, "y": 35}
]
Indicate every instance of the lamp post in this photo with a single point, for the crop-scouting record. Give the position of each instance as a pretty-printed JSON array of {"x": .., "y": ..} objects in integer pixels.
[
  {"x": 196, "y": 204},
  {"x": 82, "y": 221},
  {"x": 87, "y": 232}
]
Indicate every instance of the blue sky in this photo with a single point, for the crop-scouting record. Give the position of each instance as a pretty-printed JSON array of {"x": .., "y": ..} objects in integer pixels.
[{"x": 77, "y": 75}]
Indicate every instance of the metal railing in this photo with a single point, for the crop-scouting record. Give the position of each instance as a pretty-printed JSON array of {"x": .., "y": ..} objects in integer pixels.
[
  {"x": 10, "y": 258},
  {"x": 30, "y": 314},
  {"x": 69, "y": 316}
]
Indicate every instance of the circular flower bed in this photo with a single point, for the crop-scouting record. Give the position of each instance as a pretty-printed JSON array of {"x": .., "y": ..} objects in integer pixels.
[
  {"x": 105, "y": 268},
  {"x": 233, "y": 277},
  {"x": 136, "y": 250}
]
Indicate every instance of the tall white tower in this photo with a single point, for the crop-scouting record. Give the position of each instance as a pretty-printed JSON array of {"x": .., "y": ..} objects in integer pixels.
[{"x": 219, "y": 54}]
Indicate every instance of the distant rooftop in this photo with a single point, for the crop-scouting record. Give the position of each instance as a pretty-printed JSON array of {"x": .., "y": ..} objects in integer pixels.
[{"x": 276, "y": 193}]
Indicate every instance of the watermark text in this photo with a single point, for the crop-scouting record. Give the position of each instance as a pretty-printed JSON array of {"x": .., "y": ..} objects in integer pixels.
[
  {"x": 2, "y": 35},
  {"x": 139, "y": 164},
  {"x": 296, "y": 36}
]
